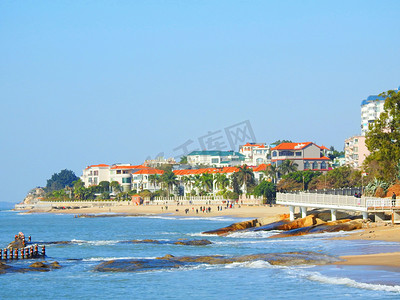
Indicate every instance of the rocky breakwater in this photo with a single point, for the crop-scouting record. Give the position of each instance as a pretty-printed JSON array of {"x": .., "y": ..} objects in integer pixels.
[
  {"x": 172, "y": 262},
  {"x": 40, "y": 266},
  {"x": 333, "y": 226},
  {"x": 260, "y": 225},
  {"x": 313, "y": 223}
]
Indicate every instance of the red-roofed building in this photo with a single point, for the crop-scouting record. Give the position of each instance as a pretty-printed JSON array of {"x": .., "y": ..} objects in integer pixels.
[
  {"x": 141, "y": 180},
  {"x": 307, "y": 156},
  {"x": 256, "y": 154},
  {"x": 94, "y": 174}
]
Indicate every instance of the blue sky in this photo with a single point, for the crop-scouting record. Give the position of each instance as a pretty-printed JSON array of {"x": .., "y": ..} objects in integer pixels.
[{"x": 87, "y": 82}]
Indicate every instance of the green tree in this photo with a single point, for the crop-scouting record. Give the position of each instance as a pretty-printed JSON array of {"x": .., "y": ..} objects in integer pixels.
[
  {"x": 383, "y": 140},
  {"x": 303, "y": 177},
  {"x": 169, "y": 180},
  {"x": 222, "y": 182},
  {"x": 61, "y": 180},
  {"x": 183, "y": 160},
  {"x": 272, "y": 171},
  {"x": 235, "y": 183},
  {"x": 245, "y": 177},
  {"x": 116, "y": 187},
  {"x": 207, "y": 182},
  {"x": 154, "y": 179},
  {"x": 267, "y": 190},
  {"x": 280, "y": 142},
  {"x": 105, "y": 186},
  {"x": 287, "y": 166},
  {"x": 334, "y": 153}
]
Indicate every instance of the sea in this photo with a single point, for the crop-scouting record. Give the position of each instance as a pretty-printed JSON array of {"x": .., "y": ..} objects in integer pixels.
[{"x": 96, "y": 240}]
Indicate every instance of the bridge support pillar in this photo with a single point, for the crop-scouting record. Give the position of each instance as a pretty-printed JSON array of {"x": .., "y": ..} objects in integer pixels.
[
  {"x": 303, "y": 210},
  {"x": 379, "y": 216},
  {"x": 396, "y": 216},
  {"x": 365, "y": 215},
  {"x": 291, "y": 210},
  {"x": 333, "y": 214}
]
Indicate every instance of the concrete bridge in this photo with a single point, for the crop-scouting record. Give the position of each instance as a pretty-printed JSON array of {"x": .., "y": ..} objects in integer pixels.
[{"x": 364, "y": 205}]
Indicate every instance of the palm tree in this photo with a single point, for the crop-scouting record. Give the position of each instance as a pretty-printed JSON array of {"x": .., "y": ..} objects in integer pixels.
[
  {"x": 154, "y": 179},
  {"x": 170, "y": 180},
  {"x": 288, "y": 166},
  {"x": 245, "y": 177},
  {"x": 272, "y": 171},
  {"x": 221, "y": 181},
  {"x": 185, "y": 180},
  {"x": 207, "y": 181},
  {"x": 115, "y": 186}
]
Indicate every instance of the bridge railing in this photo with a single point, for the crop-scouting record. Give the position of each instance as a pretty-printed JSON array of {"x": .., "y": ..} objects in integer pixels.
[
  {"x": 370, "y": 203},
  {"x": 320, "y": 199}
]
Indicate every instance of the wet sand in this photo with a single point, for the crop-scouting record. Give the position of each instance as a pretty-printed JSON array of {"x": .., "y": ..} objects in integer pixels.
[{"x": 380, "y": 259}]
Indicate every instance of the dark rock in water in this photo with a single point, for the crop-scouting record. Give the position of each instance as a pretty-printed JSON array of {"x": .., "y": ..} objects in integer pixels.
[
  {"x": 55, "y": 265},
  {"x": 3, "y": 267},
  {"x": 39, "y": 266},
  {"x": 194, "y": 243},
  {"x": 57, "y": 243},
  {"x": 146, "y": 241},
  {"x": 179, "y": 242},
  {"x": 170, "y": 261},
  {"x": 17, "y": 244},
  {"x": 125, "y": 265}
]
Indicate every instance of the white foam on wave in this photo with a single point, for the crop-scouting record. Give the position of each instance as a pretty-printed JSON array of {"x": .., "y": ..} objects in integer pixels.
[
  {"x": 95, "y": 243},
  {"x": 192, "y": 218},
  {"x": 254, "y": 234},
  {"x": 315, "y": 276},
  {"x": 114, "y": 258}
]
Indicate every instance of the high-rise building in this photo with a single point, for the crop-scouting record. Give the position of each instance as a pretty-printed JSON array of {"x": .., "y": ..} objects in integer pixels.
[{"x": 371, "y": 108}]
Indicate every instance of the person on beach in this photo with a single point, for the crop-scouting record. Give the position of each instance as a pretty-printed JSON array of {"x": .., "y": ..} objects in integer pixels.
[{"x": 394, "y": 199}]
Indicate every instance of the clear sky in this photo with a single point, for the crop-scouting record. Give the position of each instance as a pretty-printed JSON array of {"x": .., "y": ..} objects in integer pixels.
[{"x": 88, "y": 82}]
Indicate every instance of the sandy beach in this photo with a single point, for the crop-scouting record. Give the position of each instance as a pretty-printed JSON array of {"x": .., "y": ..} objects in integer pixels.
[{"x": 243, "y": 211}]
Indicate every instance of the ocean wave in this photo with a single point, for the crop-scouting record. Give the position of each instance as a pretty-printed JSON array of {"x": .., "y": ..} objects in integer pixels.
[
  {"x": 315, "y": 276},
  {"x": 95, "y": 243}
]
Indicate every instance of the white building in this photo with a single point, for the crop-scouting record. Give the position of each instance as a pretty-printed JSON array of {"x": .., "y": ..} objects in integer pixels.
[
  {"x": 141, "y": 180},
  {"x": 256, "y": 154},
  {"x": 371, "y": 108},
  {"x": 215, "y": 158},
  {"x": 94, "y": 174}
]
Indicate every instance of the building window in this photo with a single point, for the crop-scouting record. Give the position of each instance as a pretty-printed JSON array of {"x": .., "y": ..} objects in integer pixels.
[
  {"x": 298, "y": 153},
  {"x": 90, "y": 180},
  {"x": 95, "y": 180},
  {"x": 286, "y": 153},
  {"x": 274, "y": 153},
  {"x": 315, "y": 165},
  {"x": 214, "y": 160},
  {"x": 323, "y": 165},
  {"x": 96, "y": 173},
  {"x": 118, "y": 171},
  {"x": 306, "y": 165},
  {"x": 126, "y": 180}
]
